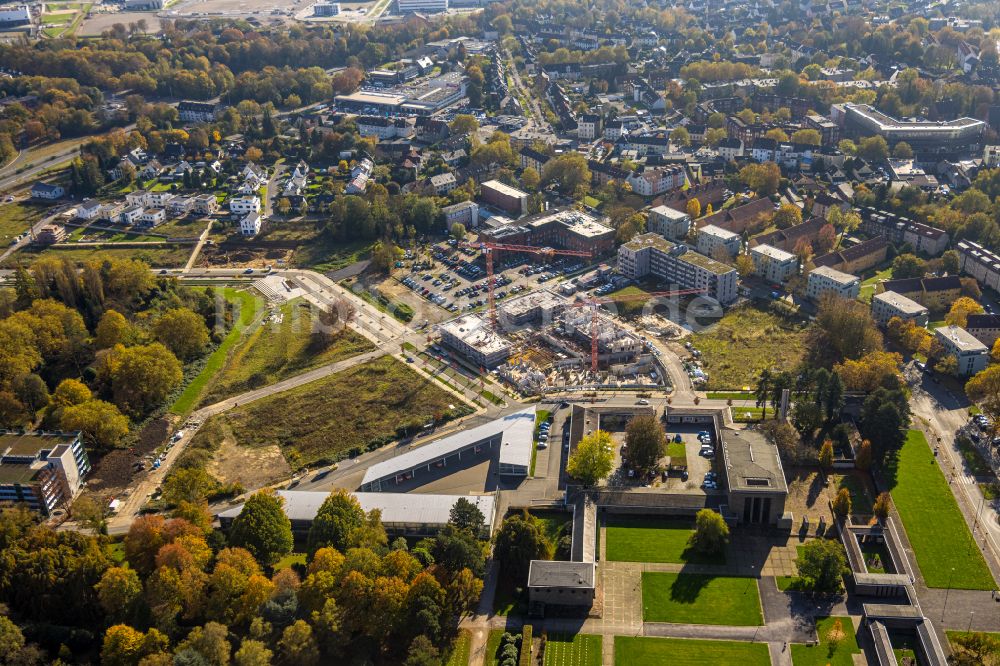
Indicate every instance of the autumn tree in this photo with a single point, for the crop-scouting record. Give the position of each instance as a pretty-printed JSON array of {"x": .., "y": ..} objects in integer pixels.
[
  {"x": 744, "y": 265},
  {"x": 125, "y": 646},
  {"x": 826, "y": 455},
  {"x": 112, "y": 329},
  {"x": 960, "y": 310},
  {"x": 680, "y": 137},
  {"x": 141, "y": 376},
  {"x": 845, "y": 330},
  {"x": 593, "y": 458},
  {"x": 908, "y": 265},
  {"x": 209, "y": 643},
  {"x": 842, "y": 503},
  {"x": 761, "y": 178},
  {"x": 874, "y": 369},
  {"x": 882, "y": 506},
  {"x": 873, "y": 149},
  {"x": 102, "y": 425},
  {"x": 693, "y": 208},
  {"x": 530, "y": 179},
  {"x": 182, "y": 331},
  {"x": 863, "y": 458},
  {"x": 788, "y": 215},
  {"x": 263, "y": 528},
  {"x": 569, "y": 172}
]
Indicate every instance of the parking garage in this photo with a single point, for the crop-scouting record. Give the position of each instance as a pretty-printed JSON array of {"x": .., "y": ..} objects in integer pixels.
[{"x": 509, "y": 437}]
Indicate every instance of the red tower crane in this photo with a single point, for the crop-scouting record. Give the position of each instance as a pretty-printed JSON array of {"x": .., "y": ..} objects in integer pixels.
[
  {"x": 489, "y": 249},
  {"x": 595, "y": 302}
]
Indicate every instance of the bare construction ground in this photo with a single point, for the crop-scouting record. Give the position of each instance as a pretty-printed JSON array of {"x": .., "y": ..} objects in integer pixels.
[
  {"x": 98, "y": 23},
  {"x": 254, "y": 467}
]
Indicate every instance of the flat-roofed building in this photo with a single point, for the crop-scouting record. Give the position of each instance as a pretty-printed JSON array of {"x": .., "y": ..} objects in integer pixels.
[
  {"x": 935, "y": 293},
  {"x": 403, "y": 514},
  {"x": 471, "y": 336},
  {"x": 772, "y": 264},
  {"x": 937, "y": 138},
  {"x": 979, "y": 263},
  {"x": 41, "y": 470},
  {"x": 857, "y": 258},
  {"x": 464, "y": 212},
  {"x": 889, "y": 304},
  {"x": 971, "y": 355},
  {"x": 675, "y": 264},
  {"x": 825, "y": 280},
  {"x": 510, "y": 438},
  {"x": 711, "y": 238},
  {"x": 561, "y": 583},
  {"x": 669, "y": 222},
  {"x": 503, "y": 196},
  {"x": 421, "y": 6},
  {"x": 566, "y": 229},
  {"x": 754, "y": 477}
]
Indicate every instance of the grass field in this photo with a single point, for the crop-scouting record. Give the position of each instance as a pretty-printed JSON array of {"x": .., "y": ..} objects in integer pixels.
[
  {"x": 248, "y": 306},
  {"x": 832, "y": 650},
  {"x": 275, "y": 351},
  {"x": 460, "y": 649},
  {"x": 677, "y": 452},
  {"x": 167, "y": 257},
  {"x": 16, "y": 218},
  {"x": 946, "y": 552},
  {"x": 325, "y": 255},
  {"x": 288, "y": 560},
  {"x": 363, "y": 407},
  {"x": 735, "y": 396},
  {"x": 700, "y": 599},
  {"x": 868, "y": 286},
  {"x": 492, "y": 645},
  {"x": 648, "y": 539},
  {"x": 631, "y": 650},
  {"x": 573, "y": 650},
  {"x": 745, "y": 341}
]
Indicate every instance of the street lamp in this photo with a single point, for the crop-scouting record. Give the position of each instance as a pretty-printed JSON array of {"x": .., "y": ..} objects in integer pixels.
[{"x": 948, "y": 592}]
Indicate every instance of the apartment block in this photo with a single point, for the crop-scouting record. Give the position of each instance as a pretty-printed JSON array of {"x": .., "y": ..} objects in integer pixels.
[
  {"x": 772, "y": 264},
  {"x": 711, "y": 238},
  {"x": 41, "y": 470},
  {"x": 669, "y": 222},
  {"x": 825, "y": 280},
  {"x": 675, "y": 264},
  {"x": 889, "y": 304},
  {"x": 971, "y": 354}
]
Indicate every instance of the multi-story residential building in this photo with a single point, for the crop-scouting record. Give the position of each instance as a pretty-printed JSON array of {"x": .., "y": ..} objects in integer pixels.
[
  {"x": 991, "y": 156},
  {"x": 158, "y": 199},
  {"x": 359, "y": 177},
  {"x": 730, "y": 148},
  {"x": 669, "y": 222},
  {"x": 979, "y": 263},
  {"x": 971, "y": 354},
  {"x": 825, "y": 280},
  {"x": 472, "y": 336},
  {"x": 89, "y": 209},
  {"x": 787, "y": 239},
  {"x": 534, "y": 159},
  {"x": 936, "y": 294},
  {"x": 137, "y": 198},
  {"x": 589, "y": 127},
  {"x": 244, "y": 205},
  {"x": 207, "y": 204},
  {"x": 651, "y": 182},
  {"x": 829, "y": 131},
  {"x": 152, "y": 216},
  {"x": 444, "y": 182},
  {"x": 250, "y": 224},
  {"x": 940, "y": 138},
  {"x": 196, "y": 112},
  {"x": 111, "y": 211},
  {"x": 179, "y": 206},
  {"x": 675, "y": 264},
  {"x": 41, "y": 470},
  {"x": 465, "y": 213},
  {"x": 504, "y": 197},
  {"x": 984, "y": 327},
  {"x": 613, "y": 130},
  {"x": 857, "y": 258},
  {"x": 385, "y": 128},
  {"x": 889, "y": 304},
  {"x": 772, "y": 264},
  {"x": 711, "y": 238},
  {"x": 899, "y": 230},
  {"x": 130, "y": 215}
]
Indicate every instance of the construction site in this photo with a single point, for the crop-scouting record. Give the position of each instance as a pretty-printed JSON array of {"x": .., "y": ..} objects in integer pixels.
[{"x": 544, "y": 342}]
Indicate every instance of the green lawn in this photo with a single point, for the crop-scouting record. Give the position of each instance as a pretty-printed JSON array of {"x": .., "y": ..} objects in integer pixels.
[
  {"x": 649, "y": 539},
  {"x": 731, "y": 395},
  {"x": 322, "y": 254},
  {"x": 746, "y": 340},
  {"x": 16, "y": 218},
  {"x": 573, "y": 650},
  {"x": 248, "y": 305},
  {"x": 683, "y": 598},
  {"x": 492, "y": 645},
  {"x": 158, "y": 257},
  {"x": 634, "y": 650},
  {"x": 360, "y": 408},
  {"x": 868, "y": 286},
  {"x": 677, "y": 452},
  {"x": 288, "y": 560},
  {"x": 275, "y": 351},
  {"x": 946, "y": 553},
  {"x": 831, "y": 650},
  {"x": 460, "y": 649}
]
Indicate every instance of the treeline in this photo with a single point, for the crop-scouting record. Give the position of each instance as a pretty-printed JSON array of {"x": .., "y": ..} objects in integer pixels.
[
  {"x": 185, "y": 594},
  {"x": 90, "y": 347}
]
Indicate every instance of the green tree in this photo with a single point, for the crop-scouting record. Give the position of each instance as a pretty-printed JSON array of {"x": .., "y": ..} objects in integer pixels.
[
  {"x": 119, "y": 593},
  {"x": 826, "y": 455},
  {"x": 338, "y": 519},
  {"x": 711, "y": 533},
  {"x": 466, "y": 516},
  {"x": 422, "y": 653},
  {"x": 142, "y": 376},
  {"x": 100, "y": 422},
  {"x": 298, "y": 645},
  {"x": 788, "y": 215},
  {"x": 530, "y": 179},
  {"x": 210, "y": 643},
  {"x": 908, "y": 266},
  {"x": 809, "y": 137},
  {"x": 569, "y": 172},
  {"x": 821, "y": 564},
  {"x": 263, "y": 528},
  {"x": 11, "y": 640},
  {"x": 519, "y": 541},
  {"x": 593, "y": 458},
  {"x": 873, "y": 149},
  {"x": 464, "y": 123},
  {"x": 680, "y": 137},
  {"x": 950, "y": 262},
  {"x": 902, "y": 151},
  {"x": 182, "y": 331},
  {"x": 645, "y": 443}
]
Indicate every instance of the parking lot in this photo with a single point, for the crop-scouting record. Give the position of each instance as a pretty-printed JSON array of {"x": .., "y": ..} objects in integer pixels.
[{"x": 455, "y": 278}]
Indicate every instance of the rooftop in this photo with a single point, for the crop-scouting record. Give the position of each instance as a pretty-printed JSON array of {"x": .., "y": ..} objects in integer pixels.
[
  {"x": 833, "y": 274},
  {"x": 31, "y": 443},
  {"x": 773, "y": 253},
  {"x": 961, "y": 340},
  {"x": 751, "y": 462},
  {"x": 707, "y": 263},
  {"x": 504, "y": 189},
  {"x": 546, "y": 573},
  {"x": 516, "y": 431},
  {"x": 669, "y": 213},
  {"x": 475, "y": 332},
  {"x": 718, "y": 232},
  {"x": 899, "y": 302}
]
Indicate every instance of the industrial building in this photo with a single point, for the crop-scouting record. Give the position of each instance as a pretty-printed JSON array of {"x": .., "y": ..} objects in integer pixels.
[
  {"x": 675, "y": 264},
  {"x": 16, "y": 15},
  {"x": 419, "y": 98},
  {"x": 41, "y": 470},
  {"x": 512, "y": 436},
  {"x": 402, "y": 514}
]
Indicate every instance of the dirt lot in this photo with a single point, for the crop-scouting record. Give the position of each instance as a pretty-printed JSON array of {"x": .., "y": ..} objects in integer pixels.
[
  {"x": 98, "y": 23},
  {"x": 217, "y": 257},
  {"x": 112, "y": 472},
  {"x": 253, "y": 467}
]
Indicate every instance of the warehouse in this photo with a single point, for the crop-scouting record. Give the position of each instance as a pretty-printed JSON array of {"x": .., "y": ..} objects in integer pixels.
[
  {"x": 402, "y": 514},
  {"x": 510, "y": 435}
]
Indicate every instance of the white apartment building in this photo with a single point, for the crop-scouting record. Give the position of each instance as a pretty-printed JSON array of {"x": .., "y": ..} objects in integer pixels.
[
  {"x": 89, "y": 209},
  {"x": 669, "y": 223},
  {"x": 825, "y": 280},
  {"x": 890, "y": 304},
  {"x": 152, "y": 217},
  {"x": 979, "y": 263},
  {"x": 464, "y": 212},
  {"x": 250, "y": 224},
  {"x": 676, "y": 265},
  {"x": 772, "y": 264},
  {"x": 244, "y": 205},
  {"x": 588, "y": 127},
  {"x": 130, "y": 215},
  {"x": 656, "y": 181},
  {"x": 711, "y": 237},
  {"x": 971, "y": 354}
]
